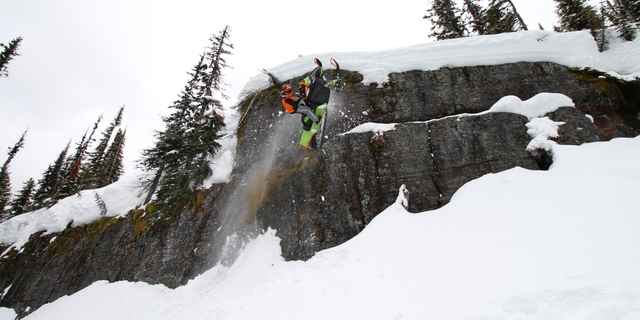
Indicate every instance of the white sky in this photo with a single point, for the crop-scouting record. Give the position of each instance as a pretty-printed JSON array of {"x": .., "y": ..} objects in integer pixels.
[{"x": 80, "y": 59}]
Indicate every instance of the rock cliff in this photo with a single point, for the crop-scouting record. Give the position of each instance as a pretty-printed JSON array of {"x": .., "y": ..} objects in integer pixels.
[{"x": 321, "y": 198}]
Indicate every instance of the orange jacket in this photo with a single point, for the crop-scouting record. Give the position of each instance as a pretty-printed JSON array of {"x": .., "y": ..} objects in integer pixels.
[{"x": 289, "y": 103}]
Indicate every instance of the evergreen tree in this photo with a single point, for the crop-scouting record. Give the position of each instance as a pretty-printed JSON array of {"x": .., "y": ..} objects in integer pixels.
[
  {"x": 173, "y": 153},
  {"x": 94, "y": 171},
  {"x": 22, "y": 202},
  {"x": 624, "y": 15},
  {"x": 8, "y": 53},
  {"x": 632, "y": 7},
  {"x": 181, "y": 155},
  {"x": 501, "y": 16},
  {"x": 219, "y": 49},
  {"x": 164, "y": 155},
  {"x": 575, "y": 15},
  {"x": 203, "y": 133},
  {"x": 101, "y": 204},
  {"x": 72, "y": 182},
  {"x": 446, "y": 20},
  {"x": 5, "y": 192},
  {"x": 51, "y": 180},
  {"x": 113, "y": 167},
  {"x": 5, "y": 182},
  {"x": 476, "y": 17},
  {"x": 600, "y": 35},
  {"x": 520, "y": 22}
]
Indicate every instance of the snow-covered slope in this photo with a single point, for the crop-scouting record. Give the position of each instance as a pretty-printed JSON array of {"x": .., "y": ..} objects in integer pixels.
[
  {"x": 571, "y": 49},
  {"x": 557, "y": 244},
  {"x": 119, "y": 198},
  {"x": 81, "y": 209}
]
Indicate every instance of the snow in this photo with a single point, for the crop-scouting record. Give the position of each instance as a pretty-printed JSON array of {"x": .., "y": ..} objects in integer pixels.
[
  {"x": 541, "y": 129},
  {"x": 7, "y": 314},
  {"x": 537, "y": 106},
  {"x": 518, "y": 244},
  {"x": 119, "y": 197},
  {"x": 222, "y": 164},
  {"x": 373, "y": 127},
  {"x": 571, "y": 49}
]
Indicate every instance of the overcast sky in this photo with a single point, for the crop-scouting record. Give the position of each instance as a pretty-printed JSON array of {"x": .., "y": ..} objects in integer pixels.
[{"x": 80, "y": 59}]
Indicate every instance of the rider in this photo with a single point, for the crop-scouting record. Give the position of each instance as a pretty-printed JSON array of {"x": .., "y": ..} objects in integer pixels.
[
  {"x": 312, "y": 91},
  {"x": 293, "y": 105}
]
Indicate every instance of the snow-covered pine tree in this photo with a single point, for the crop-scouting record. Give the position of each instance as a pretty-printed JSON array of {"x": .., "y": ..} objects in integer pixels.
[
  {"x": 181, "y": 155},
  {"x": 5, "y": 182},
  {"x": 7, "y": 54},
  {"x": 95, "y": 170},
  {"x": 446, "y": 20},
  {"x": 22, "y": 202},
  {"x": 191, "y": 137},
  {"x": 204, "y": 131},
  {"x": 113, "y": 166},
  {"x": 501, "y": 16},
  {"x": 51, "y": 180}
]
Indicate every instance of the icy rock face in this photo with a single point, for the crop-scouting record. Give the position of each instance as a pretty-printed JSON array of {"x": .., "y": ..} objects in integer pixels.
[
  {"x": 418, "y": 95},
  {"x": 317, "y": 199}
]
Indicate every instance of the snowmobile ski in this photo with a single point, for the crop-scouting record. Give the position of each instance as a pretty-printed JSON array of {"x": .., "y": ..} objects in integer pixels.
[
  {"x": 323, "y": 121},
  {"x": 337, "y": 81}
]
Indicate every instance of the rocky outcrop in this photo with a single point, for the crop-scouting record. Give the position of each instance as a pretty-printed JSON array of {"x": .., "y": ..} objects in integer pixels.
[
  {"x": 337, "y": 191},
  {"x": 321, "y": 198},
  {"x": 418, "y": 96}
]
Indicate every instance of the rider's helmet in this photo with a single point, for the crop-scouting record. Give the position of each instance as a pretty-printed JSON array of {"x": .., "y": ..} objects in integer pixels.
[{"x": 286, "y": 89}]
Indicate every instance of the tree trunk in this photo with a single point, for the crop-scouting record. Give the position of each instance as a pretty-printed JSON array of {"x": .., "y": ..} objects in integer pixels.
[
  {"x": 154, "y": 185},
  {"x": 524, "y": 26}
]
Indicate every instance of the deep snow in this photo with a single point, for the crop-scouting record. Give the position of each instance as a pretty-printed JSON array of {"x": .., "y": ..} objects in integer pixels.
[
  {"x": 572, "y": 49},
  {"x": 520, "y": 244},
  {"x": 515, "y": 245}
]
